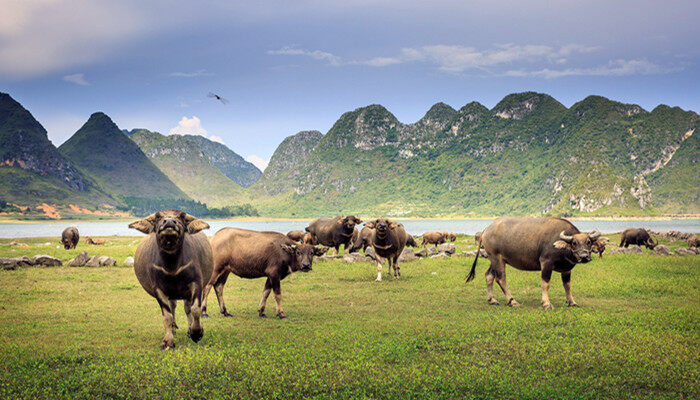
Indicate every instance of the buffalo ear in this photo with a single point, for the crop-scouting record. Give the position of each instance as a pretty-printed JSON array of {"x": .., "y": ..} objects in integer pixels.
[
  {"x": 370, "y": 224},
  {"x": 393, "y": 225},
  {"x": 319, "y": 251},
  {"x": 194, "y": 224},
  {"x": 560, "y": 244},
  {"x": 358, "y": 221},
  {"x": 146, "y": 225},
  {"x": 289, "y": 248}
]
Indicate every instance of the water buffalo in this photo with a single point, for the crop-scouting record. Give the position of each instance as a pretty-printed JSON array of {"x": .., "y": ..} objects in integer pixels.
[
  {"x": 477, "y": 237},
  {"x": 333, "y": 232},
  {"x": 362, "y": 240},
  {"x": 449, "y": 236},
  {"x": 411, "y": 241},
  {"x": 694, "y": 241},
  {"x": 435, "y": 238},
  {"x": 308, "y": 239},
  {"x": 96, "y": 242},
  {"x": 172, "y": 263},
  {"x": 252, "y": 254},
  {"x": 533, "y": 244},
  {"x": 599, "y": 246},
  {"x": 388, "y": 240},
  {"x": 70, "y": 237},
  {"x": 296, "y": 236},
  {"x": 637, "y": 236}
]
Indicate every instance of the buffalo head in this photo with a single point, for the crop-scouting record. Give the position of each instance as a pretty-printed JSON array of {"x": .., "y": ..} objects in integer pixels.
[
  {"x": 382, "y": 225},
  {"x": 349, "y": 222},
  {"x": 303, "y": 255},
  {"x": 579, "y": 244},
  {"x": 170, "y": 227}
]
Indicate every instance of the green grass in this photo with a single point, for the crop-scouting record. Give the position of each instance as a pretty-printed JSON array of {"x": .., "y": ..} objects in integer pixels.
[{"x": 93, "y": 332}]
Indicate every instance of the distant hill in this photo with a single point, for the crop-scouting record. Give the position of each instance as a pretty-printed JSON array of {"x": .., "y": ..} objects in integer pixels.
[
  {"x": 227, "y": 161},
  {"x": 527, "y": 155},
  {"x": 32, "y": 171},
  {"x": 101, "y": 150},
  {"x": 187, "y": 165}
]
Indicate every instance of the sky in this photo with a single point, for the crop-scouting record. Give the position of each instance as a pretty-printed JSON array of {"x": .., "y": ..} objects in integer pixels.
[{"x": 289, "y": 66}]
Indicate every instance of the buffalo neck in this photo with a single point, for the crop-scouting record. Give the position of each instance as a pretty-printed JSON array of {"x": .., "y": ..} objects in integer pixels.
[{"x": 170, "y": 259}]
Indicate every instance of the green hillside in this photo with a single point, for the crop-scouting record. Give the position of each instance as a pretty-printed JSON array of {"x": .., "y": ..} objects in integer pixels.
[
  {"x": 227, "y": 161},
  {"x": 186, "y": 164},
  {"x": 102, "y": 151},
  {"x": 527, "y": 155}
]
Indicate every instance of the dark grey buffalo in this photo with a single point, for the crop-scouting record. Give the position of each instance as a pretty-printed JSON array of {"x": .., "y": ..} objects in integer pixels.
[
  {"x": 637, "y": 236},
  {"x": 362, "y": 240},
  {"x": 533, "y": 244},
  {"x": 173, "y": 262},
  {"x": 389, "y": 239},
  {"x": 70, "y": 237},
  {"x": 333, "y": 232},
  {"x": 252, "y": 254}
]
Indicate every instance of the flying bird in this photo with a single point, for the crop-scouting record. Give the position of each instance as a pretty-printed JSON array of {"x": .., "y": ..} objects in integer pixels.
[{"x": 216, "y": 96}]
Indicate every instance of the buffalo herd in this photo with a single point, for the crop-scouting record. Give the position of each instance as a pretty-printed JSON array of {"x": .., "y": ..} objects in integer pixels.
[{"x": 176, "y": 260}]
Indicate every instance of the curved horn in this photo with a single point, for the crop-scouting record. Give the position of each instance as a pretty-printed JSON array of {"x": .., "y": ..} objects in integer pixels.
[
  {"x": 565, "y": 238},
  {"x": 594, "y": 235}
]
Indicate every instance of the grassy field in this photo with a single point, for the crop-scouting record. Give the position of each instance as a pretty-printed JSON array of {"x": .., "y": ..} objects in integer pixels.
[{"x": 94, "y": 333}]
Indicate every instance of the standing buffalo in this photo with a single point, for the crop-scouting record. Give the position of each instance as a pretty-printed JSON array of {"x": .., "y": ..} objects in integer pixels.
[
  {"x": 333, "y": 232},
  {"x": 533, "y": 244},
  {"x": 449, "y": 236},
  {"x": 252, "y": 254},
  {"x": 435, "y": 238},
  {"x": 388, "y": 240},
  {"x": 362, "y": 240},
  {"x": 70, "y": 237},
  {"x": 637, "y": 236},
  {"x": 172, "y": 263},
  {"x": 599, "y": 246}
]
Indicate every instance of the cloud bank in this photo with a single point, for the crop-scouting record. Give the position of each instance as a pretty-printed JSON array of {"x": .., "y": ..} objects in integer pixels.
[{"x": 193, "y": 126}]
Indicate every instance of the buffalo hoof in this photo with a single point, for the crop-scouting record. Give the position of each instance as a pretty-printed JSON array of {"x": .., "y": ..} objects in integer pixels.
[
  {"x": 167, "y": 346},
  {"x": 281, "y": 315},
  {"x": 513, "y": 303},
  {"x": 226, "y": 314},
  {"x": 175, "y": 327},
  {"x": 548, "y": 306},
  {"x": 494, "y": 302},
  {"x": 204, "y": 314},
  {"x": 377, "y": 280},
  {"x": 261, "y": 314},
  {"x": 571, "y": 304},
  {"x": 196, "y": 336}
]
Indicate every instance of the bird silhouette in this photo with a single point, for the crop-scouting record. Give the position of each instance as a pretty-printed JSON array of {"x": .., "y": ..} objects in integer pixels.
[{"x": 216, "y": 96}]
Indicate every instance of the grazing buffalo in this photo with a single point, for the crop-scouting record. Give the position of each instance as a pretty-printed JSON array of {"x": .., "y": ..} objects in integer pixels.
[
  {"x": 296, "y": 236},
  {"x": 533, "y": 244},
  {"x": 411, "y": 241},
  {"x": 70, "y": 237},
  {"x": 599, "y": 246},
  {"x": 252, "y": 254},
  {"x": 333, "y": 232},
  {"x": 477, "y": 237},
  {"x": 449, "y": 236},
  {"x": 388, "y": 240},
  {"x": 637, "y": 236},
  {"x": 435, "y": 238},
  {"x": 172, "y": 263},
  {"x": 362, "y": 240},
  {"x": 96, "y": 242},
  {"x": 693, "y": 241}
]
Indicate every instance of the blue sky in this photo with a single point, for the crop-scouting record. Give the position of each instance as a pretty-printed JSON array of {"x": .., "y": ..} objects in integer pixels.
[{"x": 289, "y": 66}]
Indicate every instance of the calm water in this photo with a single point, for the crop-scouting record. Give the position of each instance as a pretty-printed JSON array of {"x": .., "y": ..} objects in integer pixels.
[{"x": 413, "y": 227}]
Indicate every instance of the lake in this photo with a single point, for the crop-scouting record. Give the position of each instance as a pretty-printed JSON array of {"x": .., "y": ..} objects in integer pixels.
[{"x": 414, "y": 227}]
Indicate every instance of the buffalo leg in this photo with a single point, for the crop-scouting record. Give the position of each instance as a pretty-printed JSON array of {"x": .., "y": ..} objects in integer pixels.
[
  {"x": 214, "y": 277},
  {"x": 499, "y": 268},
  {"x": 263, "y": 300},
  {"x": 546, "y": 276},
  {"x": 193, "y": 310},
  {"x": 397, "y": 269},
  {"x": 379, "y": 269},
  {"x": 566, "y": 280},
  {"x": 489, "y": 287},
  {"x": 219, "y": 289},
  {"x": 275, "y": 283},
  {"x": 173, "y": 304},
  {"x": 168, "y": 318}
]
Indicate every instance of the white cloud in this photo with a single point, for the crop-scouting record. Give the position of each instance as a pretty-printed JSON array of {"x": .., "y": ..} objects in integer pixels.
[
  {"x": 201, "y": 72},
  {"x": 316, "y": 54},
  {"x": 259, "y": 162},
  {"x": 193, "y": 126},
  {"x": 78, "y": 79},
  {"x": 539, "y": 60}
]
